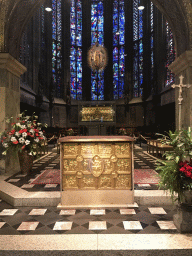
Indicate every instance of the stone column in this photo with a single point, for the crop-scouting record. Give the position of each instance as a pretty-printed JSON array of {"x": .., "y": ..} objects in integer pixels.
[
  {"x": 10, "y": 72},
  {"x": 183, "y": 66}
]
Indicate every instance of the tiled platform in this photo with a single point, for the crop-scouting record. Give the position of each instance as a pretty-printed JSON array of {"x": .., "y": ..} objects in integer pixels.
[
  {"x": 50, "y": 220},
  {"x": 144, "y": 229}
]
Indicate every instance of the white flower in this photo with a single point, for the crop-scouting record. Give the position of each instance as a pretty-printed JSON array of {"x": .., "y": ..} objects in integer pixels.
[
  {"x": 8, "y": 121},
  {"x": 38, "y": 124},
  {"x": 21, "y": 140},
  {"x": 27, "y": 142},
  {"x": 29, "y": 125},
  {"x": 27, "y": 117},
  {"x": 36, "y": 117},
  {"x": 23, "y": 126},
  {"x": 31, "y": 131},
  {"x": 5, "y": 145},
  {"x": 13, "y": 139},
  {"x": 18, "y": 124},
  {"x": 30, "y": 154},
  {"x": 36, "y": 140},
  {"x": 24, "y": 134},
  {"x": 20, "y": 115},
  {"x": 17, "y": 134},
  {"x": 4, "y": 153},
  {"x": 41, "y": 133}
]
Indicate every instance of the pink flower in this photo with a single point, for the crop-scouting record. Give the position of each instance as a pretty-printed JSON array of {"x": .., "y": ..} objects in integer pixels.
[{"x": 15, "y": 142}]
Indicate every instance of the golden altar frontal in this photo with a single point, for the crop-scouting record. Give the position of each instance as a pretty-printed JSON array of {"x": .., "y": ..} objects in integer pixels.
[{"x": 96, "y": 171}]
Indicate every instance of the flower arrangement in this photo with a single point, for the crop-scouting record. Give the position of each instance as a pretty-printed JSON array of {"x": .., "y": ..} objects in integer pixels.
[
  {"x": 185, "y": 167},
  {"x": 122, "y": 131},
  {"x": 70, "y": 132},
  {"x": 176, "y": 170},
  {"x": 24, "y": 135}
]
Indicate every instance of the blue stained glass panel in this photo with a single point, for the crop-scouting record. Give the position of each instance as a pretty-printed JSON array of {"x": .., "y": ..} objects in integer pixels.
[
  {"x": 100, "y": 38},
  {"x": 79, "y": 55},
  {"x": 97, "y": 35},
  {"x": 118, "y": 50},
  {"x": 100, "y": 23},
  {"x": 76, "y": 51},
  {"x": 94, "y": 23},
  {"x": 138, "y": 49}
]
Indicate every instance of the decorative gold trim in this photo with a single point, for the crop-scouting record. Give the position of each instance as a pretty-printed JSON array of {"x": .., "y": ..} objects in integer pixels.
[{"x": 97, "y": 57}]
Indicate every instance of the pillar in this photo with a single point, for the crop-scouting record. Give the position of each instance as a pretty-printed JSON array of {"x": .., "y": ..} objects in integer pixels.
[
  {"x": 183, "y": 66},
  {"x": 10, "y": 72}
]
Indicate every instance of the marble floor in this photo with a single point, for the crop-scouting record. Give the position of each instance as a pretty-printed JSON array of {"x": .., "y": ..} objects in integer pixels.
[
  {"x": 142, "y": 161},
  {"x": 134, "y": 230}
]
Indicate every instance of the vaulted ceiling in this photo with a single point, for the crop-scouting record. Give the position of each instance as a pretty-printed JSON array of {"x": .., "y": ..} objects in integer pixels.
[{"x": 15, "y": 14}]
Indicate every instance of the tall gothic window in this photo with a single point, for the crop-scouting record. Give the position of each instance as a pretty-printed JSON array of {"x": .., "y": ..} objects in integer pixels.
[
  {"x": 56, "y": 46},
  {"x": 118, "y": 48},
  {"x": 138, "y": 50},
  {"x": 97, "y": 35},
  {"x": 76, "y": 49},
  {"x": 170, "y": 78}
]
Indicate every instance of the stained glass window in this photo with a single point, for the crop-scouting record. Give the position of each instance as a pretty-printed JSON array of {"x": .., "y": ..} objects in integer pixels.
[
  {"x": 138, "y": 50},
  {"x": 76, "y": 49},
  {"x": 56, "y": 46},
  {"x": 97, "y": 35},
  {"x": 118, "y": 48},
  {"x": 170, "y": 48}
]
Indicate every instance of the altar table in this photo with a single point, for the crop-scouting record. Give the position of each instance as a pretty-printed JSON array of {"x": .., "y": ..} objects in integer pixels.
[{"x": 96, "y": 171}]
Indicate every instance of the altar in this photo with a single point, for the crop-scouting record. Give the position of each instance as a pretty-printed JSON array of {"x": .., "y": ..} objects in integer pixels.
[
  {"x": 97, "y": 116},
  {"x": 96, "y": 171}
]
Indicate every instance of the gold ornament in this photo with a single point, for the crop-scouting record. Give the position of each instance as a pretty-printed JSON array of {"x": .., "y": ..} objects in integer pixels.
[{"x": 97, "y": 57}]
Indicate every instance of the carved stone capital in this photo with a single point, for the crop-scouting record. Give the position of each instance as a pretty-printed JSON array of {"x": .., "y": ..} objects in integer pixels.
[{"x": 11, "y": 64}]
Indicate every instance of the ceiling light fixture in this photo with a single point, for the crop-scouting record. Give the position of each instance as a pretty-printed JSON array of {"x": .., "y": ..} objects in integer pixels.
[
  {"x": 48, "y": 6},
  {"x": 141, "y": 5}
]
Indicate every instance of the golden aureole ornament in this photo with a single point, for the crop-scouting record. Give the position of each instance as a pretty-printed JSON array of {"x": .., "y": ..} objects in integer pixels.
[{"x": 97, "y": 57}]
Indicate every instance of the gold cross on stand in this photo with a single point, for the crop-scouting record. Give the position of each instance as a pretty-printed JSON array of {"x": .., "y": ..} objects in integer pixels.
[{"x": 180, "y": 86}]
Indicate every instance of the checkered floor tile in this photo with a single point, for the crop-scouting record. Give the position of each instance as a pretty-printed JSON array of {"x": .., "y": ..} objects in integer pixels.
[{"x": 50, "y": 220}]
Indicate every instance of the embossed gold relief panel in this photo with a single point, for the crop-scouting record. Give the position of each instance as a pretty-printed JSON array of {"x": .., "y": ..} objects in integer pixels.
[
  {"x": 70, "y": 182},
  {"x": 105, "y": 182},
  {"x": 97, "y": 166},
  {"x": 88, "y": 182},
  {"x": 124, "y": 166},
  {"x": 89, "y": 149},
  {"x": 123, "y": 150},
  {"x": 70, "y": 166},
  {"x": 104, "y": 113},
  {"x": 70, "y": 149},
  {"x": 123, "y": 182},
  {"x": 105, "y": 149}
]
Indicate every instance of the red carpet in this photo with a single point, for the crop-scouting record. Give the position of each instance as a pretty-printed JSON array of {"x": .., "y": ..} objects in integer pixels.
[
  {"x": 146, "y": 176},
  {"x": 52, "y": 176}
]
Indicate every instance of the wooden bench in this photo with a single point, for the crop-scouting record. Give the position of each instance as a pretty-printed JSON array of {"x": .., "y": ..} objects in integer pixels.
[{"x": 157, "y": 147}]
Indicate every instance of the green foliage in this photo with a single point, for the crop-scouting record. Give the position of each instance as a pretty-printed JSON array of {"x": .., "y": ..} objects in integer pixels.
[{"x": 170, "y": 176}]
